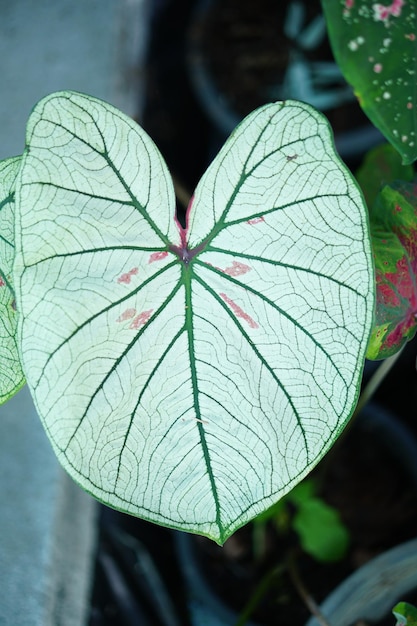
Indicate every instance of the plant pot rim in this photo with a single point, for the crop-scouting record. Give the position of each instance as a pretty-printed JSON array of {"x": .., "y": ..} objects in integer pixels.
[{"x": 220, "y": 111}]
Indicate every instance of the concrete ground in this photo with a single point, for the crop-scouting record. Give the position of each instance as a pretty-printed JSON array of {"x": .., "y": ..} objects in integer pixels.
[{"x": 47, "y": 524}]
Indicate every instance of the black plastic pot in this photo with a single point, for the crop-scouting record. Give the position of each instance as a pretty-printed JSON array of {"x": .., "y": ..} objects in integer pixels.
[
  {"x": 137, "y": 579},
  {"x": 275, "y": 51}
]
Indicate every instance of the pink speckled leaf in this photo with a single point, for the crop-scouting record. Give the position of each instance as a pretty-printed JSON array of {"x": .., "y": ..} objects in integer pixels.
[
  {"x": 394, "y": 237},
  {"x": 375, "y": 45},
  {"x": 190, "y": 375}
]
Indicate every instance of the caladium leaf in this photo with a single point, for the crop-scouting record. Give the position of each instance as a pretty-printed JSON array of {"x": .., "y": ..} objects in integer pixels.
[
  {"x": 375, "y": 46},
  {"x": 394, "y": 238},
  {"x": 11, "y": 375},
  {"x": 190, "y": 376}
]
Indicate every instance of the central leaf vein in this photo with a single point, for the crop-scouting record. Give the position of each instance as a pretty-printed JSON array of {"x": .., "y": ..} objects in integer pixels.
[{"x": 195, "y": 387}]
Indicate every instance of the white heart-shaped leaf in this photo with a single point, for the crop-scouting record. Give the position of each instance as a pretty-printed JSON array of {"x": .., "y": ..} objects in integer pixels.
[
  {"x": 11, "y": 375},
  {"x": 190, "y": 376}
]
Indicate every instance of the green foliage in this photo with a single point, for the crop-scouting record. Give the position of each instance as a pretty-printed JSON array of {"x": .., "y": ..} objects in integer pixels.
[
  {"x": 394, "y": 239},
  {"x": 375, "y": 46},
  {"x": 381, "y": 166},
  {"x": 405, "y": 613},
  {"x": 321, "y": 532}
]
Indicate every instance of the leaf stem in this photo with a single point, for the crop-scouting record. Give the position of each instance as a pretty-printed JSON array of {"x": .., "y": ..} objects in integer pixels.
[
  {"x": 375, "y": 380},
  {"x": 303, "y": 592},
  {"x": 181, "y": 192},
  {"x": 260, "y": 591}
]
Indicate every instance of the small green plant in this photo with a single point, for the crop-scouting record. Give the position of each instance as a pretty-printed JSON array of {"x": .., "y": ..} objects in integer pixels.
[
  {"x": 320, "y": 530},
  {"x": 405, "y": 614}
]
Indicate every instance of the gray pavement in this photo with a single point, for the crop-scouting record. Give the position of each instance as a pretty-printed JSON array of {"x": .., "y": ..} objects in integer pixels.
[{"x": 47, "y": 523}]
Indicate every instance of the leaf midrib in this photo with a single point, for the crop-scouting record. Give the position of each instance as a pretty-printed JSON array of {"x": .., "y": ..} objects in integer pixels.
[{"x": 187, "y": 280}]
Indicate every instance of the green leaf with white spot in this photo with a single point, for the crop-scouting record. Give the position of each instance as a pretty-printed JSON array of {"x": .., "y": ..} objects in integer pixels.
[
  {"x": 405, "y": 614},
  {"x": 11, "y": 375},
  {"x": 375, "y": 46},
  {"x": 190, "y": 376}
]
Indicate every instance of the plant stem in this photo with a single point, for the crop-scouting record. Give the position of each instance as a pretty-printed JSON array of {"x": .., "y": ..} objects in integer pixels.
[
  {"x": 303, "y": 592},
  {"x": 182, "y": 194},
  {"x": 375, "y": 380},
  {"x": 259, "y": 593}
]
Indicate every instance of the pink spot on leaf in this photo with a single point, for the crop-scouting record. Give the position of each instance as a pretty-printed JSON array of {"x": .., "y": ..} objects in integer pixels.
[
  {"x": 378, "y": 68},
  {"x": 141, "y": 319},
  {"x": 2, "y": 283},
  {"x": 348, "y": 5},
  {"x": 386, "y": 294},
  {"x": 255, "y": 220},
  {"x": 400, "y": 332},
  {"x": 237, "y": 269},
  {"x": 238, "y": 311},
  {"x": 126, "y": 278},
  {"x": 157, "y": 256},
  {"x": 410, "y": 36},
  {"x": 403, "y": 279},
  {"x": 396, "y": 7},
  {"x": 383, "y": 13},
  {"x": 126, "y": 315},
  {"x": 184, "y": 231}
]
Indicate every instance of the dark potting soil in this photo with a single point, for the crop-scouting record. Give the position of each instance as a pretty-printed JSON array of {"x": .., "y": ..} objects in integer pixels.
[{"x": 377, "y": 502}]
